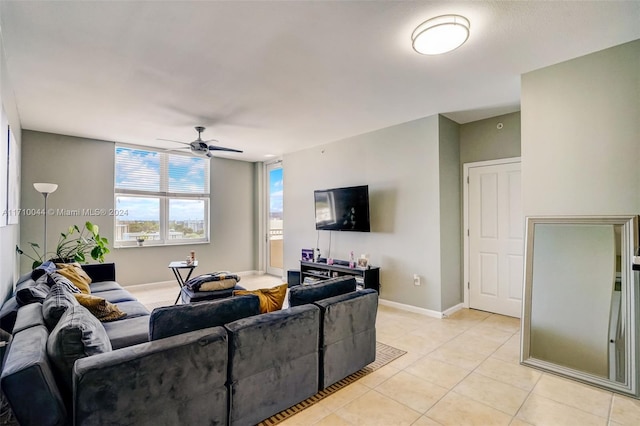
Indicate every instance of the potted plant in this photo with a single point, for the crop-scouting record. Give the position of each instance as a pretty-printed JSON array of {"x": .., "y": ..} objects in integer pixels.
[
  {"x": 75, "y": 245},
  {"x": 141, "y": 239}
]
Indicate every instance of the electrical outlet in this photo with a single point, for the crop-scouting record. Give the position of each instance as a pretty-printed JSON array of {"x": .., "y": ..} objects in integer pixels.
[{"x": 416, "y": 279}]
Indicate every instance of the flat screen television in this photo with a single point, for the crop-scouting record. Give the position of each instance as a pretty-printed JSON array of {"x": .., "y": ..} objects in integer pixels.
[{"x": 343, "y": 209}]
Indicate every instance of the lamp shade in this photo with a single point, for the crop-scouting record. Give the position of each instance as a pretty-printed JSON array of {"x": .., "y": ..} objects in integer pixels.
[
  {"x": 45, "y": 188},
  {"x": 440, "y": 34}
]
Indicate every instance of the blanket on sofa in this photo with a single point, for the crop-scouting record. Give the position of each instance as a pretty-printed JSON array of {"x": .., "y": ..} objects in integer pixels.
[{"x": 212, "y": 281}]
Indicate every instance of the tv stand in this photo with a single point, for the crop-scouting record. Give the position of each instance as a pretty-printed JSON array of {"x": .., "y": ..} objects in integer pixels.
[{"x": 365, "y": 278}]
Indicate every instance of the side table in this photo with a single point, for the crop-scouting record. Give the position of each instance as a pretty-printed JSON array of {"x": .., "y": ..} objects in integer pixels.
[{"x": 176, "y": 267}]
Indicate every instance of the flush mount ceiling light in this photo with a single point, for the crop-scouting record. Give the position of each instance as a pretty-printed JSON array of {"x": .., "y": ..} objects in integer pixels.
[{"x": 440, "y": 34}]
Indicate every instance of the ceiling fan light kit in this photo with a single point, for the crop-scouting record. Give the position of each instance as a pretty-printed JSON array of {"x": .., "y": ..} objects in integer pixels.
[{"x": 441, "y": 34}]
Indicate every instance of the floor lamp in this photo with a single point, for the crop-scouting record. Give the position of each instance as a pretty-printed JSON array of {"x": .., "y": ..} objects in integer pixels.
[{"x": 45, "y": 189}]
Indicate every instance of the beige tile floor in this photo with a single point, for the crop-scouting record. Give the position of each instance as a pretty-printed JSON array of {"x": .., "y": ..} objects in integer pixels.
[{"x": 461, "y": 370}]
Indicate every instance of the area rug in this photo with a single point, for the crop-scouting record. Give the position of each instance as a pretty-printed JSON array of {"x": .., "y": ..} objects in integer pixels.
[{"x": 384, "y": 355}]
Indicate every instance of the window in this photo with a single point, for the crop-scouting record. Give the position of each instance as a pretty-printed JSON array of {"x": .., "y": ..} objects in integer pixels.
[{"x": 160, "y": 197}]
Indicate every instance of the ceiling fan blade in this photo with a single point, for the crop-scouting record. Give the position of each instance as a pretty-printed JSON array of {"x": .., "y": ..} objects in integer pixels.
[
  {"x": 171, "y": 140},
  {"x": 177, "y": 149},
  {"x": 220, "y": 148},
  {"x": 211, "y": 140}
]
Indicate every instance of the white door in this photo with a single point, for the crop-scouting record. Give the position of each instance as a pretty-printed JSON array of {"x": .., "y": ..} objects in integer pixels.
[{"x": 496, "y": 239}]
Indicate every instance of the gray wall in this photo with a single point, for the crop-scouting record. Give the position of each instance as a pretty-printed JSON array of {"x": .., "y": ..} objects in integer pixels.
[
  {"x": 450, "y": 213},
  {"x": 580, "y": 151},
  {"x": 580, "y": 130},
  {"x": 482, "y": 140},
  {"x": 401, "y": 165},
  {"x": 84, "y": 171},
  {"x": 9, "y": 235}
]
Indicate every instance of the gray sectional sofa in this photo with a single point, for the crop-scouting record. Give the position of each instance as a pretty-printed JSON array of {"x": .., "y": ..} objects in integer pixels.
[{"x": 217, "y": 362}]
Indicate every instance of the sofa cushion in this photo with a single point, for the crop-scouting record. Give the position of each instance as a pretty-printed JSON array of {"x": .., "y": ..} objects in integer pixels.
[
  {"x": 348, "y": 339},
  {"x": 178, "y": 319},
  {"x": 99, "y": 307},
  {"x": 309, "y": 293},
  {"x": 271, "y": 299},
  {"x": 116, "y": 296},
  {"x": 78, "y": 334},
  {"x": 28, "y": 316},
  {"x": 176, "y": 381},
  {"x": 133, "y": 309},
  {"x": 97, "y": 287},
  {"x": 29, "y": 383},
  {"x": 74, "y": 273},
  {"x": 56, "y": 303},
  {"x": 127, "y": 331},
  {"x": 264, "y": 377}
]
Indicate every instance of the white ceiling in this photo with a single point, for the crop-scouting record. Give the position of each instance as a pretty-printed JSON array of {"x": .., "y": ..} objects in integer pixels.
[{"x": 272, "y": 77}]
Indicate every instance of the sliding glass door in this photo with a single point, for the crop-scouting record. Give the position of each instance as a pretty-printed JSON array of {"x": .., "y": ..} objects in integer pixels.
[{"x": 275, "y": 248}]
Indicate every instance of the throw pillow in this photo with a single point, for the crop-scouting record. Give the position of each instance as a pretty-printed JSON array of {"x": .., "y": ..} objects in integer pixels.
[
  {"x": 74, "y": 273},
  {"x": 213, "y": 281},
  {"x": 100, "y": 308},
  {"x": 218, "y": 285},
  {"x": 32, "y": 292},
  {"x": 55, "y": 304},
  {"x": 55, "y": 277},
  {"x": 78, "y": 334},
  {"x": 44, "y": 268},
  {"x": 271, "y": 299}
]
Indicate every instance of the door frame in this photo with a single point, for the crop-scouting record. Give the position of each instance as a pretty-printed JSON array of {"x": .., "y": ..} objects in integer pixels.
[
  {"x": 267, "y": 251},
  {"x": 465, "y": 214}
]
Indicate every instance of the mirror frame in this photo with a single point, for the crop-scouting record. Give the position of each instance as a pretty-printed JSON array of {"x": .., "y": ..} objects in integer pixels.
[{"x": 629, "y": 288}]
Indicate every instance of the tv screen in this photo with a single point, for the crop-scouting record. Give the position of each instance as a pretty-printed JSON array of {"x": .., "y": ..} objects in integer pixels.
[{"x": 342, "y": 209}]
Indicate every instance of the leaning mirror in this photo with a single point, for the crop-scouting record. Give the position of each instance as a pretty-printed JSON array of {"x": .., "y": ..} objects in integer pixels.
[{"x": 580, "y": 310}]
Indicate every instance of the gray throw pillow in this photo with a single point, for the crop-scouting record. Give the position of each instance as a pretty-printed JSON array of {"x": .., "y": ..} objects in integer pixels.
[
  {"x": 55, "y": 278},
  {"x": 56, "y": 303},
  {"x": 78, "y": 334},
  {"x": 30, "y": 291}
]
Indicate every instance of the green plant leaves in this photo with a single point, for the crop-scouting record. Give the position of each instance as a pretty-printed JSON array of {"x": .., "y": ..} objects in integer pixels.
[{"x": 75, "y": 244}]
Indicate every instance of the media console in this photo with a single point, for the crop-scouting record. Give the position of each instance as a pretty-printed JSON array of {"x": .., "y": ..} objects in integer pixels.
[{"x": 365, "y": 278}]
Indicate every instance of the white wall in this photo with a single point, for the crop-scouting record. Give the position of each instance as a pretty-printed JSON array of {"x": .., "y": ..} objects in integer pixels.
[
  {"x": 9, "y": 235},
  {"x": 84, "y": 171},
  {"x": 580, "y": 130},
  {"x": 401, "y": 165}
]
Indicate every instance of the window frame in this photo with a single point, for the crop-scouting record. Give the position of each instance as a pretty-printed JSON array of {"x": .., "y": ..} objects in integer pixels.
[{"x": 164, "y": 196}]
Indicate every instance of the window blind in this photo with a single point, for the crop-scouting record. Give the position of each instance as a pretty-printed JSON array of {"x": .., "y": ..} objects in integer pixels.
[{"x": 147, "y": 172}]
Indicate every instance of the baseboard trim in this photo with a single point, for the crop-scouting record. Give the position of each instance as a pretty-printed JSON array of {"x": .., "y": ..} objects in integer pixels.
[
  {"x": 410, "y": 308},
  {"x": 155, "y": 284},
  {"x": 421, "y": 311},
  {"x": 452, "y": 310}
]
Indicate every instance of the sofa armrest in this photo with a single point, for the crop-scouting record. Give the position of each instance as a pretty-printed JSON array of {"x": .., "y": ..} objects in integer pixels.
[
  {"x": 348, "y": 339},
  {"x": 178, "y": 380},
  {"x": 28, "y": 380},
  {"x": 100, "y": 271},
  {"x": 273, "y": 362}
]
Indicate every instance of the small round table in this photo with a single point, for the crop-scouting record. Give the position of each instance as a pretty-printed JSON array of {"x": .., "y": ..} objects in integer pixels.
[{"x": 176, "y": 267}]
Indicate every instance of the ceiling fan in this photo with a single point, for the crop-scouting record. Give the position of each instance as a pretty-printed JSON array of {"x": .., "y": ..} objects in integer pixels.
[{"x": 200, "y": 147}]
